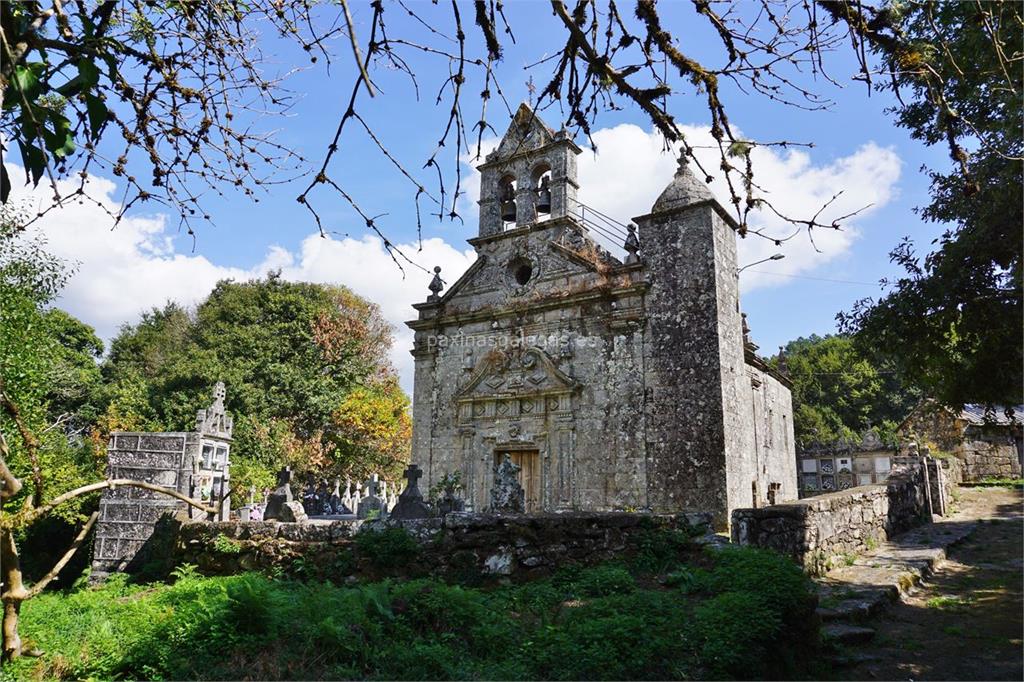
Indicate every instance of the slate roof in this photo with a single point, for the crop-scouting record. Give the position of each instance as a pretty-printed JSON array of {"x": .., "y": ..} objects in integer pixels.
[{"x": 975, "y": 415}]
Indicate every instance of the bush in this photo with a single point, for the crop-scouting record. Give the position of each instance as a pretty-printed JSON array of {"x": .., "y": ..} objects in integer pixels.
[
  {"x": 601, "y": 581},
  {"x": 388, "y": 548},
  {"x": 738, "y": 618},
  {"x": 660, "y": 550},
  {"x": 733, "y": 632}
]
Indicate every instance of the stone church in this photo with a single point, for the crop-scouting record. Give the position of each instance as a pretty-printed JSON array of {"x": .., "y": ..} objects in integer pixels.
[{"x": 614, "y": 384}]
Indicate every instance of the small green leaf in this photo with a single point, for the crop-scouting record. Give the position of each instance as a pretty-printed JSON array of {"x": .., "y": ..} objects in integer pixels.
[
  {"x": 25, "y": 80},
  {"x": 97, "y": 111},
  {"x": 61, "y": 140},
  {"x": 89, "y": 74},
  {"x": 33, "y": 159}
]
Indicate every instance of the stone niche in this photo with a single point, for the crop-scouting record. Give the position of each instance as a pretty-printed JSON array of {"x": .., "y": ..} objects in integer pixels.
[{"x": 613, "y": 384}]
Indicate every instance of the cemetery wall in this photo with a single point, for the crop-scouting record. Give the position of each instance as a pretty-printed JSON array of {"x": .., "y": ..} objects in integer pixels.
[
  {"x": 819, "y": 532},
  {"x": 463, "y": 546}
]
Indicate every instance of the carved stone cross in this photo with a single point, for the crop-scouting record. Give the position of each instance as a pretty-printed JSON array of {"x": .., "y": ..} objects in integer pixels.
[
  {"x": 413, "y": 474},
  {"x": 371, "y": 486}
]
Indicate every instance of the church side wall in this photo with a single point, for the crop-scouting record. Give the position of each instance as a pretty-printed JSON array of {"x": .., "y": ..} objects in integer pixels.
[{"x": 774, "y": 443}]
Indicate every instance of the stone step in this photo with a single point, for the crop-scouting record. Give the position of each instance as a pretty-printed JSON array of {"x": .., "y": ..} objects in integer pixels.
[
  {"x": 842, "y": 633},
  {"x": 857, "y": 607}
]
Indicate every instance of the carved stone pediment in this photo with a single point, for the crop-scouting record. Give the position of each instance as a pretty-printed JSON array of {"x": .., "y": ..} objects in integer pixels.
[
  {"x": 516, "y": 372},
  {"x": 526, "y": 132}
]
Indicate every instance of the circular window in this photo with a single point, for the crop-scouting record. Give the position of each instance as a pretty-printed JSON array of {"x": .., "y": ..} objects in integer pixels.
[{"x": 520, "y": 270}]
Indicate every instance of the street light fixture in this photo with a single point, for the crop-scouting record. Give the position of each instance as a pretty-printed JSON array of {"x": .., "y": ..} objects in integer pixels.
[{"x": 774, "y": 256}]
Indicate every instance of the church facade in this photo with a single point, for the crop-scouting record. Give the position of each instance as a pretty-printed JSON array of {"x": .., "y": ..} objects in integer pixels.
[{"x": 615, "y": 384}]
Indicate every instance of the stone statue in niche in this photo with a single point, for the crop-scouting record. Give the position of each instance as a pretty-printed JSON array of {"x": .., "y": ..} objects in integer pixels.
[{"x": 507, "y": 495}]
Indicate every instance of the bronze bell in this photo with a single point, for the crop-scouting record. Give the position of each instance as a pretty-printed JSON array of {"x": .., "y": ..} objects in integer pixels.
[
  {"x": 544, "y": 197},
  {"x": 508, "y": 211},
  {"x": 508, "y": 203}
]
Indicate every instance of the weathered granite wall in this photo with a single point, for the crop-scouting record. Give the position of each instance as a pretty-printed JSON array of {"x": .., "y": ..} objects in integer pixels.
[
  {"x": 614, "y": 384},
  {"x": 480, "y": 545},
  {"x": 982, "y": 460},
  {"x": 818, "y": 532}
]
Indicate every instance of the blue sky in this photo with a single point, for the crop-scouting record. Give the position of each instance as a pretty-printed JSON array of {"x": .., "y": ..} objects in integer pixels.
[{"x": 146, "y": 261}]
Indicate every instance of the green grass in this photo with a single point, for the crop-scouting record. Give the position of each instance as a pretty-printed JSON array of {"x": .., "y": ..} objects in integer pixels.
[
  {"x": 948, "y": 603},
  {"x": 743, "y": 613},
  {"x": 1012, "y": 483}
]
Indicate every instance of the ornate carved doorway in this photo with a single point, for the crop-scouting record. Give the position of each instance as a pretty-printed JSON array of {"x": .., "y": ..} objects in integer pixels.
[{"x": 528, "y": 462}]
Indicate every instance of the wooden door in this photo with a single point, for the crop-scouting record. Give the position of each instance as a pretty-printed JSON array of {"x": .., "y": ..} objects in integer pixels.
[{"x": 528, "y": 462}]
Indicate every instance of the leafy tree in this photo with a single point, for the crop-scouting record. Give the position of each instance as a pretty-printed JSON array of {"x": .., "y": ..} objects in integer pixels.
[
  {"x": 306, "y": 368},
  {"x": 953, "y": 323},
  {"x": 839, "y": 392},
  {"x": 47, "y": 375}
]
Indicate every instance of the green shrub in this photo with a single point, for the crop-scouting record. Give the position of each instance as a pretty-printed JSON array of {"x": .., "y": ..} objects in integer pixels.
[
  {"x": 601, "y": 581},
  {"x": 688, "y": 580},
  {"x": 659, "y": 550},
  {"x": 387, "y": 548},
  {"x": 225, "y": 545},
  {"x": 740, "y": 617},
  {"x": 635, "y": 636},
  {"x": 733, "y": 632}
]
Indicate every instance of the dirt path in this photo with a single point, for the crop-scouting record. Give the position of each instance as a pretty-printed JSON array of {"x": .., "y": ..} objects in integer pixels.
[{"x": 966, "y": 622}]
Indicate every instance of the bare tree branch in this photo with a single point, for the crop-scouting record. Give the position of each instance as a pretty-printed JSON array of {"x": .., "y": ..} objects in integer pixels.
[{"x": 41, "y": 584}]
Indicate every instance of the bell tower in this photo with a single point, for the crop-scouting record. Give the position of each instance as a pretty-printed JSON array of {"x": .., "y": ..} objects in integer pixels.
[{"x": 530, "y": 177}]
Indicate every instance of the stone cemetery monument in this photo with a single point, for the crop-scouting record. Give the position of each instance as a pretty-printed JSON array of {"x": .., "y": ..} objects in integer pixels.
[
  {"x": 281, "y": 496},
  {"x": 193, "y": 463},
  {"x": 371, "y": 503},
  {"x": 410, "y": 503}
]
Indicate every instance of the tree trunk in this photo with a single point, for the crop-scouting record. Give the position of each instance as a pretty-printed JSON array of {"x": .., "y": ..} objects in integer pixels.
[{"x": 13, "y": 594}]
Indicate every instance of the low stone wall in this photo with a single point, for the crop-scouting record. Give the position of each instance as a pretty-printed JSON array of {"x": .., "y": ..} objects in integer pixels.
[
  {"x": 463, "y": 546},
  {"x": 983, "y": 460},
  {"x": 819, "y": 532}
]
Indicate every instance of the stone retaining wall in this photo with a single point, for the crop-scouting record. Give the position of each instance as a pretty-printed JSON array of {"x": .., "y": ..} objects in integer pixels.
[
  {"x": 821, "y": 532},
  {"x": 459, "y": 545},
  {"x": 983, "y": 460}
]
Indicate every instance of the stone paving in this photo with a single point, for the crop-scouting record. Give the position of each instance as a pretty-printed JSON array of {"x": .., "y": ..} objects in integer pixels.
[{"x": 939, "y": 602}]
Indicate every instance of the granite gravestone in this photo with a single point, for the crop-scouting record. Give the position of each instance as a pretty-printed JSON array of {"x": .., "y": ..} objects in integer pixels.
[{"x": 410, "y": 501}]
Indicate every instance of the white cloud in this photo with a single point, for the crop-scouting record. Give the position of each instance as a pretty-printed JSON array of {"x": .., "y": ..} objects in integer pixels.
[
  {"x": 125, "y": 271},
  {"x": 365, "y": 267},
  {"x": 632, "y": 167}
]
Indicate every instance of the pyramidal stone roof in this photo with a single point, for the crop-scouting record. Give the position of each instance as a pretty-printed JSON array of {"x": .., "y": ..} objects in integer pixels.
[{"x": 685, "y": 189}]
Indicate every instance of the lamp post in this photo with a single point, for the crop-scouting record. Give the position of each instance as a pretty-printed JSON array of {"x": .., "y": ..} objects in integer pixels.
[{"x": 774, "y": 256}]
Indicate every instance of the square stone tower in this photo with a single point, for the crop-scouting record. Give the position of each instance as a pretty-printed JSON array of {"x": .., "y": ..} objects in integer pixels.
[{"x": 613, "y": 384}]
